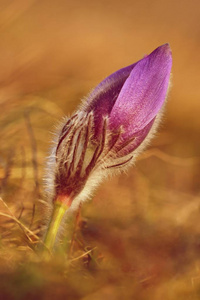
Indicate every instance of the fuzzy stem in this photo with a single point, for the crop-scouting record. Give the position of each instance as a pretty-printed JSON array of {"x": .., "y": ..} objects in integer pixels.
[{"x": 54, "y": 225}]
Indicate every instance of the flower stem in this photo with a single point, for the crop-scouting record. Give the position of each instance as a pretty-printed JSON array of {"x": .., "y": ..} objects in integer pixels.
[{"x": 54, "y": 225}]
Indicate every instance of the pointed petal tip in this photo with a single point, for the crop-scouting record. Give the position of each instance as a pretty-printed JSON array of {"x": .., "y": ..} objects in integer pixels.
[
  {"x": 166, "y": 46},
  {"x": 144, "y": 92},
  {"x": 164, "y": 49},
  {"x": 163, "y": 56}
]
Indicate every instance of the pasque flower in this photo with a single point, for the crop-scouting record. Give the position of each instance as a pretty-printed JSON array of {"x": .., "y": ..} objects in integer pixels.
[{"x": 107, "y": 132}]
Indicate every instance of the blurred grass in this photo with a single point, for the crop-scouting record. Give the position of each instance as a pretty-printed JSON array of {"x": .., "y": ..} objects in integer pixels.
[{"x": 140, "y": 236}]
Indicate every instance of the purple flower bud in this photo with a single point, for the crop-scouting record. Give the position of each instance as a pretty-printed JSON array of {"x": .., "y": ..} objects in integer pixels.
[{"x": 111, "y": 127}]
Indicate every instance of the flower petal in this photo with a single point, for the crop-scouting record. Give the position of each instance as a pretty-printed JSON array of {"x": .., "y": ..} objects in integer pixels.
[
  {"x": 144, "y": 92},
  {"x": 103, "y": 97},
  {"x": 135, "y": 141}
]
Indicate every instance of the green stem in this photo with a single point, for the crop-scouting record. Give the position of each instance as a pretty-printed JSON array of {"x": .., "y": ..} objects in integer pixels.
[{"x": 54, "y": 225}]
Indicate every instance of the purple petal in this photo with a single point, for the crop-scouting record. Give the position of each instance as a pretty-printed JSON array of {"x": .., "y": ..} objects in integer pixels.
[
  {"x": 103, "y": 96},
  {"x": 139, "y": 137},
  {"x": 102, "y": 99},
  {"x": 143, "y": 93}
]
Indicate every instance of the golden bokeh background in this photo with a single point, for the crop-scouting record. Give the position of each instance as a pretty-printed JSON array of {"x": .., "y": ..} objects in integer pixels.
[{"x": 144, "y": 226}]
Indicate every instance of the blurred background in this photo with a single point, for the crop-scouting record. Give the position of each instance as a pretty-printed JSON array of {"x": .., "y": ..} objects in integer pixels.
[{"x": 143, "y": 226}]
